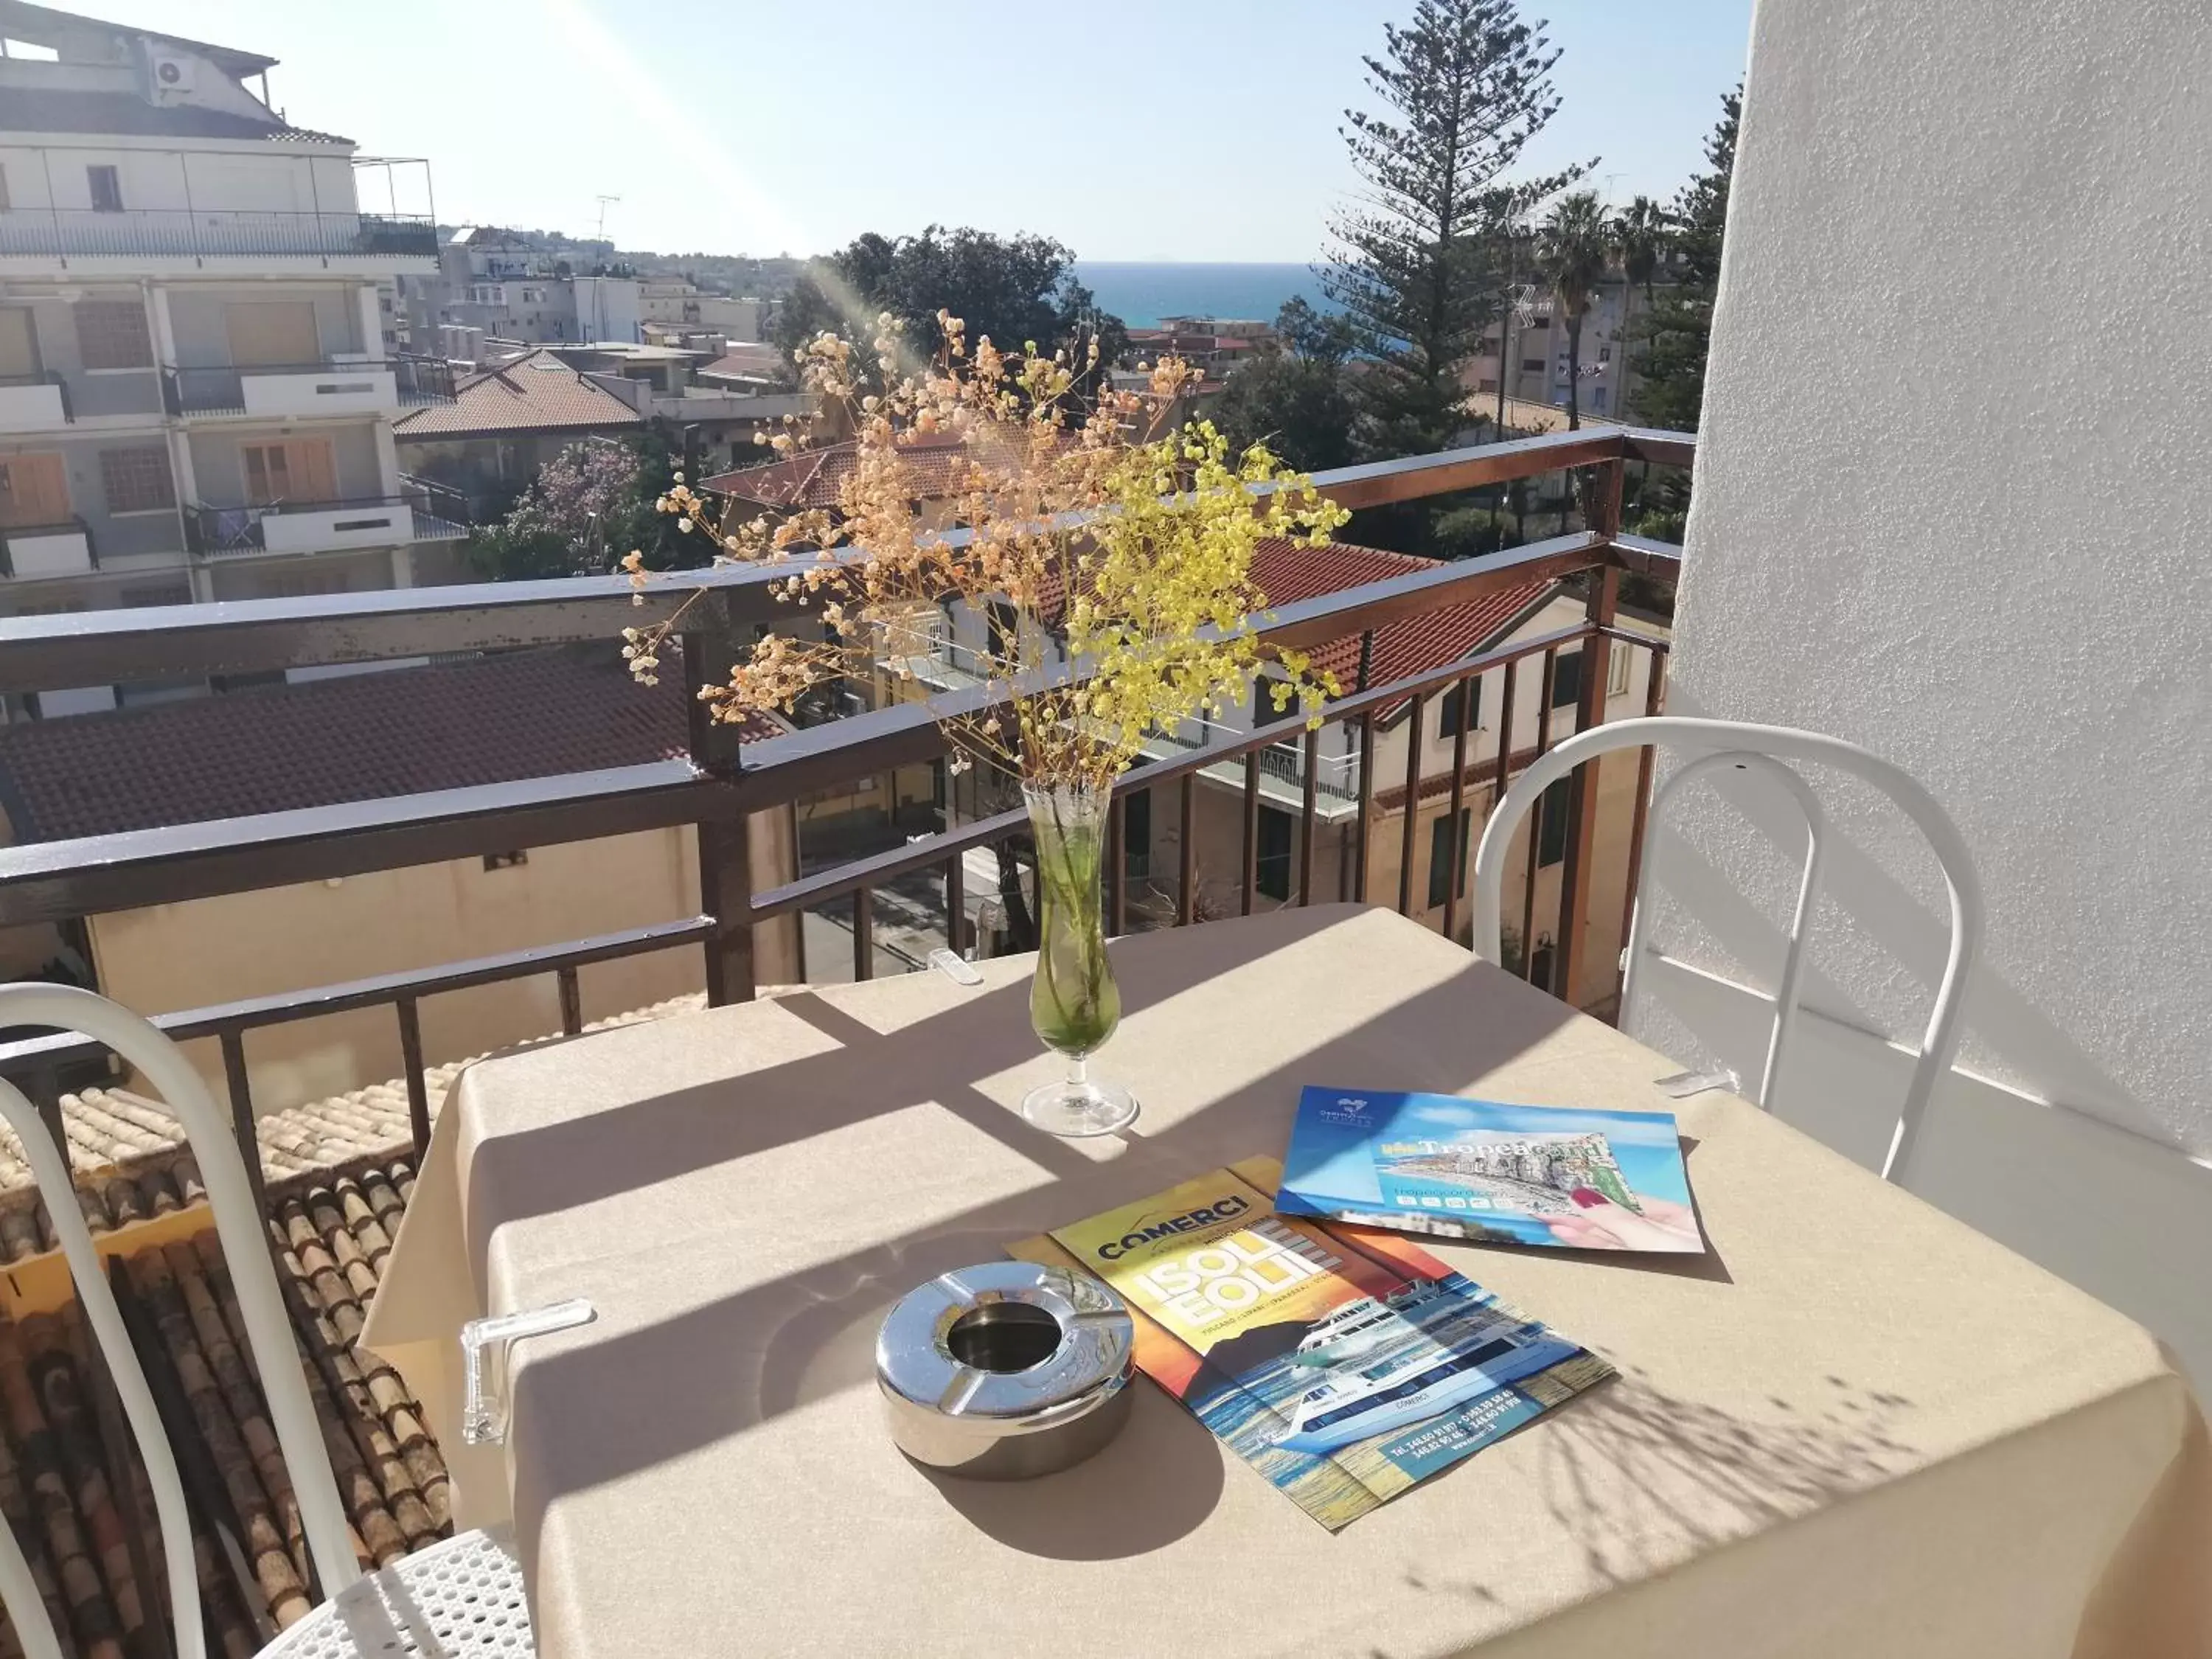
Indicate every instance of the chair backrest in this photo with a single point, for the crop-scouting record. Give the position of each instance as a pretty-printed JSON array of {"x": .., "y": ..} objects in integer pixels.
[
  {"x": 243, "y": 1232},
  {"x": 1775, "y": 751}
]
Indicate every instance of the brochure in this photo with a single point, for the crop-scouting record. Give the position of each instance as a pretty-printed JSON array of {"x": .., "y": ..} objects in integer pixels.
[
  {"x": 1344, "y": 1363},
  {"x": 1493, "y": 1173}
]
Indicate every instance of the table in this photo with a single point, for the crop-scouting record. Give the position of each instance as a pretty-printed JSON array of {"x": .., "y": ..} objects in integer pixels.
[{"x": 1857, "y": 1427}]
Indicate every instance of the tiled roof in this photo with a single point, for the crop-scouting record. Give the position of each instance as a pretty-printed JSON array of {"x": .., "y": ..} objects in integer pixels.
[
  {"x": 54, "y": 109},
  {"x": 340, "y": 1177},
  {"x": 131, "y": 1164},
  {"x": 331, "y": 1241},
  {"x": 746, "y": 359},
  {"x": 536, "y": 393},
  {"x": 815, "y": 478},
  {"x": 1289, "y": 571},
  {"x": 357, "y": 736},
  {"x": 128, "y": 1154},
  {"x": 798, "y": 480},
  {"x": 1286, "y": 571}
]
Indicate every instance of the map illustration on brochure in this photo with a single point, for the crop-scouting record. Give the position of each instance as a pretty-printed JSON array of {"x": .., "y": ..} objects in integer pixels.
[
  {"x": 1346, "y": 1365},
  {"x": 1491, "y": 1173}
]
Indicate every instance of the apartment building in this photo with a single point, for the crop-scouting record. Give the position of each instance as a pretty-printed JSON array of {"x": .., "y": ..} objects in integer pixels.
[
  {"x": 195, "y": 394},
  {"x": 1538, "y": 369},
  {"x": 507, "y": 421},
  {"x": 1216, "y": 355},
  {"x": 1227, "y": 328},
  {"x": 684, "y": 303},
  {"x": 509, "y": 288}
]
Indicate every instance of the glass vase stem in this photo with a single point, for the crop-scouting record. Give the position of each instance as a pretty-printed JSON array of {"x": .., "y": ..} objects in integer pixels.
[{"x": 1074, "y": 1003}]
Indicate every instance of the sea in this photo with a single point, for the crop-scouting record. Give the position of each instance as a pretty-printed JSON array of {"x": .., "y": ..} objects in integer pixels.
[{"x": 1141, "y": 294}]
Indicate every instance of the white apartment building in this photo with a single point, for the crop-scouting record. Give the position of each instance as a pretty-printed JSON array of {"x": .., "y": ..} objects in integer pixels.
[
  {"x": 681, "y": 303},
  {"x": 195, "y": 394},
  {"x": 501, "y": 284},
  {"x": 1538, "y": 368}
]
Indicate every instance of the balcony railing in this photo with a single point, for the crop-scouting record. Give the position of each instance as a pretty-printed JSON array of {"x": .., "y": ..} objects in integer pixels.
[
  {"x": 203, "y": 233},
  {"x": 1336, "y": 776},
  {"x": 423, "y": 514},
  {"x": 63, "y": 548},
  {"x": 27, "y": 391},
  {"x": 718, "y": 787},
  {"x": 422, "y": 380},
  {"x": 346, "y": 384}
]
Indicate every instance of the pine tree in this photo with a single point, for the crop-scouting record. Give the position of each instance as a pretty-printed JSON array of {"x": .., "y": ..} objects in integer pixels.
[
  {"x": 1678, "y": 327},
  {"x": 1416, "y": 265}
]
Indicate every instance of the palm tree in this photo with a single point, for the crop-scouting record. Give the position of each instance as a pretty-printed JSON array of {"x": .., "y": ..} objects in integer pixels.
[
  {"x": 1640, "y": 234},
  {"x": 1571, "y": 250}
]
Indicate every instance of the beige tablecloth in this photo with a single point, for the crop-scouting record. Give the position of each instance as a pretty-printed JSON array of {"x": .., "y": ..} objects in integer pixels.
[{"x": 1857, "y": 1428}]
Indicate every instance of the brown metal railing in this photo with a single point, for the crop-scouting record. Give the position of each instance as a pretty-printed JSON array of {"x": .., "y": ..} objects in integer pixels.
[{"x": 719, "y": 788}]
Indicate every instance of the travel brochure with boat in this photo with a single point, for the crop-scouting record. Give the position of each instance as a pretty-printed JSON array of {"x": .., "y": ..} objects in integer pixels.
[
  {"x": 1491, "y": 1173},
  {"x": 1345, "y": 1364}
]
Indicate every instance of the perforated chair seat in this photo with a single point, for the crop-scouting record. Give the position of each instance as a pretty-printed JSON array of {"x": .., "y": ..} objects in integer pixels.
[{"x": 461, "y": 1599}]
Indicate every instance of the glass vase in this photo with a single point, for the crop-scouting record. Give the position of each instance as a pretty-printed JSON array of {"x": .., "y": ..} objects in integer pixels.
[{"x": 1074, "y": 1003}]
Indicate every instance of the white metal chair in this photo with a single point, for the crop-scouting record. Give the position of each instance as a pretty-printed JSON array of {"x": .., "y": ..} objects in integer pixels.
[
  {"x": 461, "y": 1597},
  {"x": 1774, "y": 751}
]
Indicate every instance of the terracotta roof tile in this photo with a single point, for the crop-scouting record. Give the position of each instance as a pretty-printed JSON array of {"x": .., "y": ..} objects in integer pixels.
[
  {"x": 357, "y": 736},
  {"x": 1289, "y": 571},
  {"x": 813, "y": 477},
  {"x": 817, "y": 477},
  {"x": 332, "y": 1230},
  {"x": 536, "y": 393},
  {"x": 329, "y": 1241},
  {"x": 749, "y": 360},
  {"x": 130, "y": 1163}
]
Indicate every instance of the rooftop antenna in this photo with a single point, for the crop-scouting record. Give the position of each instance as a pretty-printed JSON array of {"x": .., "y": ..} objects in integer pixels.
[{"x": 604, "y": 200}]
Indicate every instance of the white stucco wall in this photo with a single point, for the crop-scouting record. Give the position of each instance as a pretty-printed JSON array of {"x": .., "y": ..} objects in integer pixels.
[{"x": 1945, "y": 507}]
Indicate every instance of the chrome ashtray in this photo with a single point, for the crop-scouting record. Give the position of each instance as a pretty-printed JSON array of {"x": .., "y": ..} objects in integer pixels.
[{"x": 1005, "y": 1371}]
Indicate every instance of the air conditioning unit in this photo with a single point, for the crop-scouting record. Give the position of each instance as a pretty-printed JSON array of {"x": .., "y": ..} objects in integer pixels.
[{"x": 171, "y": 74}]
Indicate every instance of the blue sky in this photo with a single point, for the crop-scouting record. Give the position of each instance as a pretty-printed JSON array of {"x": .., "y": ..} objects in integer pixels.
[{"x": 1139, "y": 130}]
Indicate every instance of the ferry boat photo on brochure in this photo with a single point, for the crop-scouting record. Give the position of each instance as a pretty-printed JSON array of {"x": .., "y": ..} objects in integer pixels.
[{"x": 1383, "y": 1370}]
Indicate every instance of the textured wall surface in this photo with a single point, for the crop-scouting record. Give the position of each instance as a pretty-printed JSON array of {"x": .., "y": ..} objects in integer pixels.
[{"x": 1983, "y": 547}]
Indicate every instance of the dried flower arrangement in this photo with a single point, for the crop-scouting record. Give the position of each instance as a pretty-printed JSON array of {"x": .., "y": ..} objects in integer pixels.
[
  {"x": 1116, "y": 549},
  {"x": 1122, "y": 546}
]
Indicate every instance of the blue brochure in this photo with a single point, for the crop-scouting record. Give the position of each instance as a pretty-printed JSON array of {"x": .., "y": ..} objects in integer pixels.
[{"x": 1478, "y": 1170}]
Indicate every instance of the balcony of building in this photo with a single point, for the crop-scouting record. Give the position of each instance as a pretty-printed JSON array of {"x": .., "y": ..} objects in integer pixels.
[
  {"x": 1312, "y": 820},
  {"x": 1282, "y": 766},
  {"x": 1863, "y": 1420},
  {"x": 211, "y": 237},
  {"x": 32, "y": 552},
  {"x": 36, "y": 402},
  {"x": 350, "y": 386},
  {"x": 418, "y": 513},
  {"x": 872, "y": 905}
]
